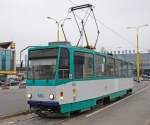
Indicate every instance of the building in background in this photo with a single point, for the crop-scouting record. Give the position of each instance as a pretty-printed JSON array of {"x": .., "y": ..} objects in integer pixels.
[
  {"x": 130, "y": 55},
  {"x": 144, "y": 61},
  {"x": 7, "y": 60}
]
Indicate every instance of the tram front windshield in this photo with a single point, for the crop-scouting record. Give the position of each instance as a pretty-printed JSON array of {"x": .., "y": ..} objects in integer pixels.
[{"x": 42, "y": 64}]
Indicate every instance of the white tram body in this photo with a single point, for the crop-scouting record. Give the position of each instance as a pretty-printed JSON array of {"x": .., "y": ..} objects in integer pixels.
[{"x": 63, "y": 78}]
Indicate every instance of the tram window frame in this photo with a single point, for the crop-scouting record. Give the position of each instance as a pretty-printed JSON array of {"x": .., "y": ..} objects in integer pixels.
[
  {"x": 118, "y": 68},
  {"x": 100, "y": 69},
  {"x": 81, "y": 65},
  {"x": 110, "y": 73},
  {"x": 65, "y": 70}
]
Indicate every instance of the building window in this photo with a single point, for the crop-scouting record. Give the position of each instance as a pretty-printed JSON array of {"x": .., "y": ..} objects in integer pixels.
[
  {"x": 118, "y": 52},
  {"x": 122, "y": 51},
  {"x": 129, "y": 51},
  {"x": 83, "y": 63},
  {"x": 64, "y": 64},
  {"x": 126, "y": 51},
  {"x": 100, "y": 65}
]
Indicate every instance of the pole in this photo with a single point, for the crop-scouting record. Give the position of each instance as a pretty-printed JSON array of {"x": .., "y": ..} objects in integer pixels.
[
  {"x": 137, "y": 50},
  {"x": 138, "y": 58},
  {"x": 58, "y": 24},
  {"x": 57, "y": 31},
  {"x": 63, "y": 32}
]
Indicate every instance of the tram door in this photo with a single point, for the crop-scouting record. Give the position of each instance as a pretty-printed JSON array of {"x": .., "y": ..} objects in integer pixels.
[{"x": 64, "y": 64}]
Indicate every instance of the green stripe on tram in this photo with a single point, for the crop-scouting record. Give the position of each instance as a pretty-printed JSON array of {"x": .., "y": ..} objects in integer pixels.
[
  {"x": 82, "y": 105},
  {"x": 61, "y": 82}
]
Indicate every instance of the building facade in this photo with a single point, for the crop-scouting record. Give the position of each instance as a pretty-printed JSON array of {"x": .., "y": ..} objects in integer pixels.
[
  {"x": 7, "y": 60},
  {"x": 144, "y": 61}
]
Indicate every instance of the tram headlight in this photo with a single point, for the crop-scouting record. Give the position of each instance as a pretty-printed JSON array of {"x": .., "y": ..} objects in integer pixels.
[
  {"x": 51, "y": 96},
  {"x": 29, "y": 95}
]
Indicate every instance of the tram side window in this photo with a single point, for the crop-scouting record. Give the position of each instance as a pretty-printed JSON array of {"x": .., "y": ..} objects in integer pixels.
[
  {"x": 110, "y": 68},
  {"x": 124, "y": 69},
  {"x": 118, "y": 68},
  {"x": 130, "y": 70},
  {"x": 100, "y": 65},
  {"x": 83, "y": 63},
  {"x": 64, "y": 64}
]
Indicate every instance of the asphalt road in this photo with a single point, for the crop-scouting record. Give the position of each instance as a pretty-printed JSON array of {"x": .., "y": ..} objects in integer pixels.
[{"x": 132, "y": 110}]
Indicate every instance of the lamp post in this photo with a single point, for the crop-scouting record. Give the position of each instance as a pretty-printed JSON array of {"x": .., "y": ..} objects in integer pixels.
[
  {"x": 137, "y": 50},
  {"x": 58, "y": 22}
]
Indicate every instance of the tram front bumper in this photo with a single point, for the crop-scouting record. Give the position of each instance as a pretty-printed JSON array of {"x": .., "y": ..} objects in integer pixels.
[{"x": 44, "y": 104}]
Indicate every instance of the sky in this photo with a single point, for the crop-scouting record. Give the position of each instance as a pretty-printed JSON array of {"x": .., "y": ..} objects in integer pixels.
[{"x": 25, "y": 22}]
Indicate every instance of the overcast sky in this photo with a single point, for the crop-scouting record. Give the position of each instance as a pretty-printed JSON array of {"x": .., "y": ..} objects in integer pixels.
[{"x": 24, "y": 21}]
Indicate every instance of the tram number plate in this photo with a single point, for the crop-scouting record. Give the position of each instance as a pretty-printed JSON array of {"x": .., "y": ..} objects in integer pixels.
[{"x": 40, "y": 95}]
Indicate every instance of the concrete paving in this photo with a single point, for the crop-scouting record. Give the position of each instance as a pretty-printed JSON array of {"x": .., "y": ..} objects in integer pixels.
[{"x": 12, "y": 101}]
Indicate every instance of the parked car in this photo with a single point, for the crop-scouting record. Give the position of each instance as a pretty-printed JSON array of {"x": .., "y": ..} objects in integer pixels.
[
  {"x": 14, "y": 82},
  {"x": 1, "y": 83},
  {"x": 146, "y": 77}
]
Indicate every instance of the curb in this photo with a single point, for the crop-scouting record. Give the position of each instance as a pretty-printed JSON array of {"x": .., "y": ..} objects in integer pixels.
[
  {"x": 11, "y": 87},
  {"x": 14, "y": 115}
]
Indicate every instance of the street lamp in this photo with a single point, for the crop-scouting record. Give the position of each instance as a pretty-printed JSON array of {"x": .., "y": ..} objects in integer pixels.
[
  {"x": 137, "y": 50},
  {"x": 58, "y": 24}
]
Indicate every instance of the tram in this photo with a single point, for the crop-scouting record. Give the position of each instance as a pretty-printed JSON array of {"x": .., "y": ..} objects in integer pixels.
[{"x": 63, "y": 78}]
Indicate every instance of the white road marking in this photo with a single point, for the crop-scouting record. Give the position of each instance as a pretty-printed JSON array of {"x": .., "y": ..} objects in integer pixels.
[
  {"x": 89, "y": 115},
  {"x": 12, "y": 122}
]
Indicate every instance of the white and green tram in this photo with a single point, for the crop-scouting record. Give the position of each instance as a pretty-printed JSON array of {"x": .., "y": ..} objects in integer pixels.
[{"x": 63, "y": 78}]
